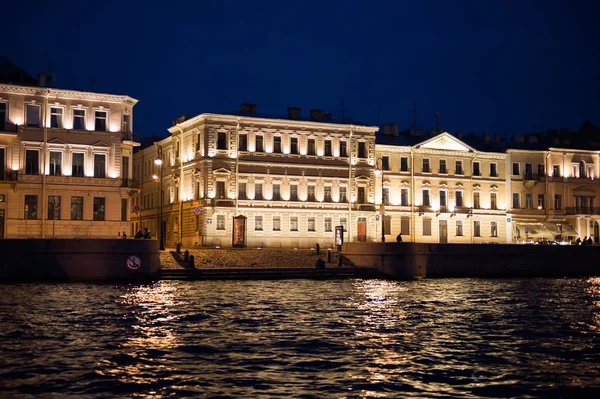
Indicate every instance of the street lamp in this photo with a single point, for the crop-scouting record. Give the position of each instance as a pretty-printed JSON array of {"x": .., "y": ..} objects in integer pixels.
[
  {"x": 379, "y": 172},
  {"x": 158, "y": 178}
]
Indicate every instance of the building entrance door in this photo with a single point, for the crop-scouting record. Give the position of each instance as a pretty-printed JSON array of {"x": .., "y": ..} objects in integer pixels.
[
  {"x": 361, "y": 228},
  {"x": 443, "y": 231},
  {"x": 2, "y": 223},
  {"x": 239, "y": 232}
]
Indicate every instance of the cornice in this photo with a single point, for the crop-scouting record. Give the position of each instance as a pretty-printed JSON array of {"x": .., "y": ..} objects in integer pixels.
[{"x": 66, "y": 94}]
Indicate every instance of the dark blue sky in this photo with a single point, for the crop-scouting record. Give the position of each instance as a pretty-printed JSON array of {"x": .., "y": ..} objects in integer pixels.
[{"x": 511, "y": 66}]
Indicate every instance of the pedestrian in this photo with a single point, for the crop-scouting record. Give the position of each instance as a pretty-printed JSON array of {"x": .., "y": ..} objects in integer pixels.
[
  {"x": 590, "y": 241},
  {"x": 399, "y": 237},
  {"x": 584, "y": 241},
  {"x": 578, "y": 241},
  {"x": 320, "y": 264},
  {"x": 139, "y": 234},
  {"x": 124, "y": 236},
  {"x": 147, "y": 234}
]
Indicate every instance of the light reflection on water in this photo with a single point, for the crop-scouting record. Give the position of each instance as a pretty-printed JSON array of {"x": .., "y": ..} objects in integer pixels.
[{"x": 346, "y": 338}]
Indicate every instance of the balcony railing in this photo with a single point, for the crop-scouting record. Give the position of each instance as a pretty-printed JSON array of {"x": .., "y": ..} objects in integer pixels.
[
  {"x": 464, "y": 211},
  {"x": 8, "y": 127},
  {"x": 586, "y": 210},
  {"x": 9, "y": 175},
  {"x": 534, "y": 176},
  {"x": 131, "y": 183}
]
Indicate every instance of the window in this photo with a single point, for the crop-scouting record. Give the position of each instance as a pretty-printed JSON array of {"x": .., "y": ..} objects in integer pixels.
[
  {"x": 494, "y": 229},
  {"x": 557, "y": 201},
  {"x": 459, "y": 228},
  {"x": 541, "y": 169},
  {"x": 327, "y": 148},
  {"x": 220, "y": 190},
  {"x": 426, "y": 198},
  {"x": 76, "y": 208},
  {"x": 242, "y": 191},
  {"x": 528, "y": 171},
  {"x": 405, "y": 225},
  {"x": 99, "y": 208},
  {"x": 426, "y": 227},
  {"x": 276, "y": 192},
  {"x": 528, "y": 200},
  {"x": 56, "y": 117},
  {"x": 343, "y": 149},
  {"x": 556, "y": 170},
  {"x": 242, "y": 142},
  {"x": 77, "y": 167},
  {"x": 124, "y": 206},
  {"x": 294, "y": 145},
  {"x": 386, "y": 196},
  {"x": 258, "y": 191},
  {"x": 276, "y": 223},
  {"x": 387, "y": 224},
  {"x": 493, "y": 170},
  {"x": 476, "y": 169},
  {"x": 361, "y": 195},
  {"x": 343, "y": 197},
  {"x": 222, "y": 141},
  {"x": 100, "y": 121},
  {"x": 79, "y": 119},
  {"x": 516, "y": 201},
  {"x": 294, "y": 223},
  {"x": 32, "y": 113},
  {"x": 385, "y": 162},
  {"x": 311, "y": 224},
  {"x": 100, "y": 165},
  {"x": 425, "y": 168},
  {"x": 540, "y": 201},
  {"x": 31, "y": 203},
  {"x": 493, "y": 201},
  {"x": 220, "y": 222},
  {"x": 259, "y": 143},
  {"x": 404, "y": 164},
  {"x": 343, "y": 224},
  {"x": 258, "y": 223},
  {"x": 476, "y": 228},
  {"x": 516, "y": 170},
  {"x": 404, "y": 197},
  {"x": 362, "y": 149},
  {"x": 443, "y": 201},
  {"x": 476, "y": 202},
  {"x": 459, "y": 199},
  {"x": 327, "y": 193},
  {"x": 328, "y": 225},
  {"x": 277, "y": 144},
  {"x": 32, "y": 163},
  {"x": 293, "y": 192},
  {"x": 125, "y": 127},
  {"x": 458, "y": 167},
  {"x": 3, "y": 115},
  {"x": 311, "y": 147},
  {"x": 443, "y": 168},
  {"x": 55, "y": 163},
  {"x": 311, "y": 193}
]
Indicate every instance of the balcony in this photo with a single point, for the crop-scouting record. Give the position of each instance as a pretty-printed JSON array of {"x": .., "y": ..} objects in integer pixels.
[
  {"x": 9, "y": 175},
  {"x": 222, "y": 202},
  {"x": 364, "y": 207},
  {"x": 130, "y": 183},
  {"x": 587, "y": 210},
  {"x": 8, "y": 127},
  {"x": 424, "y": 208},
  {"x": 463, "y": 211}
]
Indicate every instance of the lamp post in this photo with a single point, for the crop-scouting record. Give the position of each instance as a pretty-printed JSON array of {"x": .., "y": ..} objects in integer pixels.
[
  {"x": 379, "y": 172},
  {"x": 159, "y": 204}
]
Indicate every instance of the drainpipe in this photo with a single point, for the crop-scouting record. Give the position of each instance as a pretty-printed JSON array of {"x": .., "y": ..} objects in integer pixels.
[
  {"x": 237, "y": 164},
  {"x": 350, "y": 186},
  {"x": 181, "y": 178},
  {"x": 44, "y": 157},
  {"x": 413, "y": 195},
  {"x": 472, "y": 204}
]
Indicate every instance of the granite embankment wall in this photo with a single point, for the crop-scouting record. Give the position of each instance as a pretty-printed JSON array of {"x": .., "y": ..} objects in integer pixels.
[
  {"x": 416, "y": 260},
  {"x": 78, "y": 259}
]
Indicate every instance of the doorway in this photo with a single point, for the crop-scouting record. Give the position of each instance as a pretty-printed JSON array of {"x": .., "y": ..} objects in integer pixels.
[
  {"x": 238, "y": 238},
  {"x": 443, "y": 232},
  {"x": 361, "y": 228}
]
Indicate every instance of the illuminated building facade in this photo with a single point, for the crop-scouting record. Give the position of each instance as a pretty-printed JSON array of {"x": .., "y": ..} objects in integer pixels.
[
  {"x": 65, "y": 162},
  {"x": 289, "y": 181}
]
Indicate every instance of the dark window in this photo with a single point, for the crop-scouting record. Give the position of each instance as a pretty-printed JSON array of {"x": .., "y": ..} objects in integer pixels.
[
  {"x": 311, "y": 147},
  {"x": 294, "y": 223},
  {"x": 77, "y": 167},
  {"x": 327, "y": 148},
  {"x": 79, "y": 119},
  {"x": 222, "y": 141},
  {"x": 459, "y": 199},
  {"x": 76, "y": 208},
  {"x": 220, "y": 190},
  {"x": 258, "y": 223},
  {"x": 343, "y": 197},
  {"x": 426, "y": 198},
  {"x": 276, "y": 223},
  {"x": 259, "y": 144},
  {"x": 327, "y": 193},
  {"x": 493, "y": 171},
  {"x": 276, "y": 192},
  {"x": 459, "y": 169},
  {"x": 3, "y": 115},
  {"x": 516, "y": 201},
  {"x": 385, "y": 163},
  {"x": 443, "y": 201},
  {"x": 529, "y": 201},
  {"x": 459, "y": 228},
  {"x": 56, "y": 117},
  {"x": 516, "y": 169},
  {"x": 31, "y": 203},
  {"x": 99, "y": 208},
  {"x": 328, "y": 224},
  {"x": 242, "y": 191},
  {"x": 476, "y": 169},
  {"x": 2, "y": 162},
  {"x": 425, "y": 168},
  {"x": 294, "y": 192},
  {"x": 53, "y": 207},
  {"x": 557, "y": 202},
  {"x": 100, "y": 121},
  {"x": 294, "y": 145},
  {"x": 404, "y": 164},
  {"x": 343, "y": 149},
  {"x": 387, "y": 224},
  {"x": 362, "y": 149},
  {"x": 126, "y": 125},
  {"x": 405, "y": 225},
  {"x": 242, "y": 143},
  {"x": 541, "y": 170},
  {"x": 528, "y": 171},
  {"x": 476, "y": 202},
  {"x": 100, "y": 165},
  {"x": 277, "y": 144},
  {"x": 32, "y": 163},
  {"x": 443, "y": 168},
  {"x": 220, "y": 222},
  {"x": 311, "y": 224},
  {"x": 386, "y": 196},
  {"x": 556, "y": 170},
  {"x": 258, "y": 191},
  {"x": 32, "y": 115},
  {"x": 540, "y": 201},
  {"x": 404, "y": 197},
  {"x": 493, "y": 201},
  {"x": 476, "y": 228},
  {"x": 493, "y": 229},
  {"x": 311, "y": 193},
  {"x": 55, "y": 163},
  {"x": 361, "y": 195},
  {"x": 426, "y": 227}
]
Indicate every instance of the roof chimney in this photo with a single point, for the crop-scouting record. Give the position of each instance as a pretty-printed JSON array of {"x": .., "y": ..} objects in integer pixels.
[
  {"x": 181, "y": 119},
  {"x": 247, "y": 108},
  {"x": 294, "y": 113},
  {"x": 327, "y": 116},
  {"x": 496, "y": 137},
  {"x": 390, "y": 129},
  {"x": 316, "y": 115},
  {"x": 486, "y": 137}
]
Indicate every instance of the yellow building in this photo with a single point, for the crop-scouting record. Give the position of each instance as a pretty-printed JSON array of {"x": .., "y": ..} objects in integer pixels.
[{"x": 65, "y": 162}]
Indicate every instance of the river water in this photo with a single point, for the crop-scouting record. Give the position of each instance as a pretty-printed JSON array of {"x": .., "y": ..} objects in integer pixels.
[{"x": 458, "y": 338}]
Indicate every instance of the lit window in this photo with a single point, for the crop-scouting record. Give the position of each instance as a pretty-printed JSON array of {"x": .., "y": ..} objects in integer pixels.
[
  {"x": 327, "y": 193},
  {"x": 258, "y": 191},
  {"x": 328, "y": 224},
  {"x": 31, "y": 203},
  {"x": 76, "y": 208},
  {"x": 311, "y": 193},
  {"x": 99, "y": 208},
  {"x": 126, "y": 124},
  {"x": 276, "y": 223},
  {"x": 55, "y": 163},
  {"x": 294, "y": 223},
  {"x": 276, "y": 192},
  {"x": 258, "y": 223},
  {"x": 311, "y": 224},
  {"x": 459, "y": 228},
  {"x": 494, "y": 229},
  {"x": 343, "y": 197},
  {"x": 56, "y": 117},
  {"x": 53, "y": 207},
  {"x": 79, "y": 119},
  {"x": 220, "y": 222}
]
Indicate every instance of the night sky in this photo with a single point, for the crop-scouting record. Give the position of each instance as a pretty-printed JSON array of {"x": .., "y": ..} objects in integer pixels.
[{"x": 508, "y": 67}]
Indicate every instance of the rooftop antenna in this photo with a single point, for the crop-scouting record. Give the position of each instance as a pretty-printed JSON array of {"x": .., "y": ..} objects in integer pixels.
[
  {"x": 437, "y": 121},
  {"x": 343, "y": 110},
  {"x": 414, "y": 125}
]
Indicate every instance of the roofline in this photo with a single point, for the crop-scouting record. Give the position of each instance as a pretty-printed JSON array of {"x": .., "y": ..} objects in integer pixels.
[
  {"x": 574, "y": 150},
  {"x": 253, "y": 119},
  {"x": 65, "y": 93}
]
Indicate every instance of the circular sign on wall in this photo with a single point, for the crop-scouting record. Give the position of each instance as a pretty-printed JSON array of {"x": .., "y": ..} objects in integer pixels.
[{"x": 133, "y": 262}]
